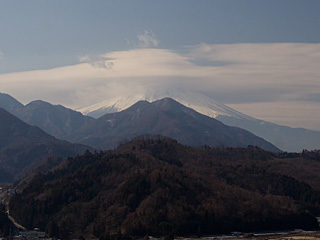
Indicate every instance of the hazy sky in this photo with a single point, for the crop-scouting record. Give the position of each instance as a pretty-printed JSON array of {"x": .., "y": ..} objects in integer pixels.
[{"x": 259, "y": 57}]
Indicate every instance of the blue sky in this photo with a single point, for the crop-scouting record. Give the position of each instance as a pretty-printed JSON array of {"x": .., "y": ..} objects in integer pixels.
[
  {"x": 259, "y": 57},
  {"x": 54, "y": 33}
]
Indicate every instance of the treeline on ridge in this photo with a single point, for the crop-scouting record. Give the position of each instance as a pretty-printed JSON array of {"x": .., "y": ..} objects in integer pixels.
[{"x": 156, "y": 186}]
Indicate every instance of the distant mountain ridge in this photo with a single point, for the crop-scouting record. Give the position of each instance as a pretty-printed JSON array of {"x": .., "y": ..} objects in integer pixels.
[
  {"x": 9, "y": 103},
  {"x": 192, "y": 99},
  {"x": 53, "y": 119},
  {"x": 65, "y": 123},
  {"x": 22, "y": 146},
  {"x": 169, "y": 118},
  {"x": 166, "y": 117},
  {"x": 286, "y": 138}
]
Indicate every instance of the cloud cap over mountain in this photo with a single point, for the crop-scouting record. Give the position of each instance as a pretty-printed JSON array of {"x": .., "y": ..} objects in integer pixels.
[{"x": 245, "y": 76}]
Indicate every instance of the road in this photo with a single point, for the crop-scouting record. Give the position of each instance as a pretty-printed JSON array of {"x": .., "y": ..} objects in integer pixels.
[{"x": 15, "y": 222}]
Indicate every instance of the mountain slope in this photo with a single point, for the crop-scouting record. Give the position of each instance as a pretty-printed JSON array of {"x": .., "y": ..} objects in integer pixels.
[
  {"x": 54, "y": 119},
  {"x": 156, "y": 186},
  {"x": 192, "y": 99},
  {"x": 189, "y": 128},
  {"x": 169, "y": 118},
  {"x": 9, "y": 103},
  {"x": 64, "y": 123},
  {"x": 22, "y": 146},
  {"x": 285, "y": 138}
]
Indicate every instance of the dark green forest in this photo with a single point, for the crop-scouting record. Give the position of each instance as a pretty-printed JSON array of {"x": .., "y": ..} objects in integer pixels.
[
  {"x": 156, "y": 186},
  {"x": 5, "y": 224}
]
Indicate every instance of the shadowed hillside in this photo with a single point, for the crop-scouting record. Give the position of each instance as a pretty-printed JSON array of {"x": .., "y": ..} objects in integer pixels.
[
  {"x": 156, "y": 186},
  {"x": 23, "y": 146}
]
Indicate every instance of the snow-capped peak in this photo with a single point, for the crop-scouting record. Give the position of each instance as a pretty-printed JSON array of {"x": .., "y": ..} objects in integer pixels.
[{"x": 192, "y": 99}]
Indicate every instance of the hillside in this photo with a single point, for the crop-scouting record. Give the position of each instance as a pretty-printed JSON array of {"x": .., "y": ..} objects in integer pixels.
[
  {"x": 23, "y": 146},
  {"x": 156, "y": 186}
]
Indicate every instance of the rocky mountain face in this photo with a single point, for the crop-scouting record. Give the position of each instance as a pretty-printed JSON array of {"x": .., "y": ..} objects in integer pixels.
[{"x": 23, "y": 146}]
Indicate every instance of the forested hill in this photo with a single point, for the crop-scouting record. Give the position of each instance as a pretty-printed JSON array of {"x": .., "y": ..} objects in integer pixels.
[{"x": 156, "y": 186}]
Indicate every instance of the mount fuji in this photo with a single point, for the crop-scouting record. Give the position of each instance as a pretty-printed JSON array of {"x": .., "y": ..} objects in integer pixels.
[
  {"x": 166, "y": 117},
  {"x": 62, "y": 122},
  {"x": 286, "y": 138},
  {"x": 196, "y": 100}
]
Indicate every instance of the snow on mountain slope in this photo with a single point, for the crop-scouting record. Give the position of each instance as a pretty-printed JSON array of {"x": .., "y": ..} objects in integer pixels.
[
  {"x": 285, "y": 138},
  {"x": 192, "y": 99}
]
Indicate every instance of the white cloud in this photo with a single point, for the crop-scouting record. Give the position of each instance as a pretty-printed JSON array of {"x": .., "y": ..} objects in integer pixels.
[
  {"x": 292, "y": 67},
  {"x": 243, "y": 75},
  {"x": 84, "y": 59},
  {"x": 148, "y": 39},
  {"x": 97, "y": 63}
]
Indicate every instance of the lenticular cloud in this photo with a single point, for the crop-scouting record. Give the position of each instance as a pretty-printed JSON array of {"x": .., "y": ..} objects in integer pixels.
[{"x": 283, "y": 72}]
